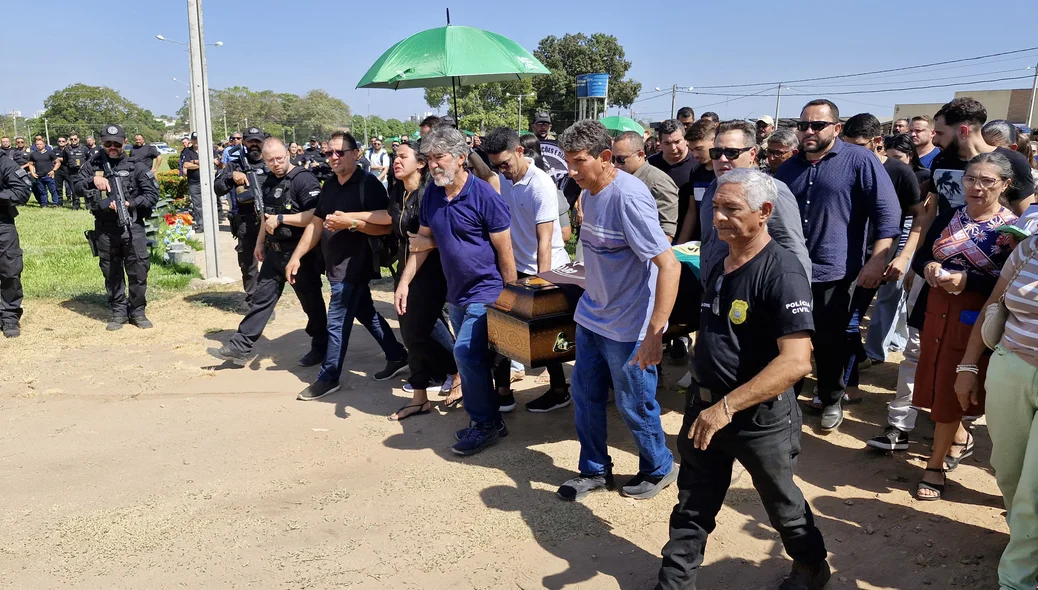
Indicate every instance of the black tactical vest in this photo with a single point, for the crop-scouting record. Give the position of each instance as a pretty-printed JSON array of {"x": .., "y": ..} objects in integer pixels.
[{"x": 280, "y": 197}]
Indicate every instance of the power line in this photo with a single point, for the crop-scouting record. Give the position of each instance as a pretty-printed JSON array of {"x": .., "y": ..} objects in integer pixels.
[
  {"x": 889, "y": 70},
  {"x": 874, "y": 91}
]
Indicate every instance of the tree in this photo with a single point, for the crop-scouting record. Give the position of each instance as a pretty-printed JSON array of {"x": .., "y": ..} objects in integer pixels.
[
  {"x": 485, "y": 106},
  {"x": 318, "y": 113},
  {"x": 284, "y": 115},
  {"x": 84, "y": 109},
  {"x": 580, "y": 54}
]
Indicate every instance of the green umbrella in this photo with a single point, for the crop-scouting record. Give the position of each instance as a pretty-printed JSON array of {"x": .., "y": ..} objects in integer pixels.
[
  {"x": 616, "y": 125},
  {"x": 459, "y": 56}
]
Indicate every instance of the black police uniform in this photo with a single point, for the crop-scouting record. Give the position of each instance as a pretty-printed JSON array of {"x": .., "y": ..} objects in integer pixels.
[
  {"x": 15, "y": 188},
  {"x": 20, "y": 157},
  {"x": 117, "y": 251},
  {"x": 73, "y": 159},
  {"x": 93, "y": 151},
  {"x": 297, "y": 191},
  {"x": 244, "y": 220}
]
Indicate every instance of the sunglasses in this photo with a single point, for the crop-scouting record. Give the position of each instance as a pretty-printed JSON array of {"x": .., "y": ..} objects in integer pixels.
[
  {"x": 715, "y": 307},
  {"x": 336, "y": 153},
  {"x": 815, "y": 126},
  {"x": 620, "y": 160},
  {"x": 236, "y": 138},
  {"x": 730, "y": 153},
  {"x": 113, "y": 144}
]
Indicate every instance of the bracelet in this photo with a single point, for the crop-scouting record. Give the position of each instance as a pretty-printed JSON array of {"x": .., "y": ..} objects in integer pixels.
[
  {"x": 726, "y": 411},
  {"x": 967, "y": 369}
]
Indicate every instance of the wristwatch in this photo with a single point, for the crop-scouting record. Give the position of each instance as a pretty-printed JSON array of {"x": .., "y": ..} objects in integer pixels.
[
  {"x": 281, "y": 218},
  {"x": 353, "y": 226}
]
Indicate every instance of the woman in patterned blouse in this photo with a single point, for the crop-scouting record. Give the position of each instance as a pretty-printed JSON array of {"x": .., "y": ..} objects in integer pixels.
[{"x": 960, "y": 260}]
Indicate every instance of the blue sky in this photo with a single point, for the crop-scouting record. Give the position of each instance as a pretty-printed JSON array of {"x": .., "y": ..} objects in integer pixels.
[{"x": 297, "y": 46}]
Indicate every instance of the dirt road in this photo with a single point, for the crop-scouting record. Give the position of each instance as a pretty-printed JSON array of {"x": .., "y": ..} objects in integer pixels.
[{"x": 129, "y": 460}]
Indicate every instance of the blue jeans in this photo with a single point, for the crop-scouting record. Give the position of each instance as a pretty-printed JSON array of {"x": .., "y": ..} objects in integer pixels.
[
  {"x": 475, "y": 361},
  {"x": 43, "y": 184},
  {"x": 353, "y": 301},
  {"x": 886, "y": 330},
  {"x": 599, "y": 361}
]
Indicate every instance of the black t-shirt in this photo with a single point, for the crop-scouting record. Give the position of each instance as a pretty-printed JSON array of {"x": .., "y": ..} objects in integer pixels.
[
  {"x": 758, "y": 303},
  {"x": 145, "y": 154},
  {"x": 680, "y": 173},
  {"x": 189, "y": 154},
  {"x": 695, "y": 188},
  {"x": 906, "y": 184},
  {"x": 948, "y": 169},
  {"x": 347, "y": 254},
  {"x": 44, "y": 161}
]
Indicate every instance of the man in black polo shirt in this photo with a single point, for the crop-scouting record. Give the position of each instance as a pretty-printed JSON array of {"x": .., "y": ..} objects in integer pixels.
[
  {"x": 754, "y": 344},
  {"x": 43, "y": 162},
  {"x": 350, "y": 263},
  {"x": 189, "y": 167},
  {"x": 144, "y": 153}
]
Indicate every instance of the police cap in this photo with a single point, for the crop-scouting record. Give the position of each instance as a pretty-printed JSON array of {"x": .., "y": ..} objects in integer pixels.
[
  {"x": 253, "y": 133},
  {"x": 113, "y": 133}
]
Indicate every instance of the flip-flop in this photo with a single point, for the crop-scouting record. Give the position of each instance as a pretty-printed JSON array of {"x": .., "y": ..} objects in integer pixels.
[
  {"x": 933, "y": 487},
  {"x": 950, "y": 463},
  {"x": 452, "y": 403},
  {"x": 418, "y": 413}
]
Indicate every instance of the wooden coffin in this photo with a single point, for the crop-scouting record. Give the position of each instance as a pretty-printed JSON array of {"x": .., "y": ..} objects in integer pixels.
[{"x": 532, "y": 322}]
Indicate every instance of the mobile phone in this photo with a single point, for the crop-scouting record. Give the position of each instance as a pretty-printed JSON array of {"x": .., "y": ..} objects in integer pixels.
[{"x": 969, "y": 317}]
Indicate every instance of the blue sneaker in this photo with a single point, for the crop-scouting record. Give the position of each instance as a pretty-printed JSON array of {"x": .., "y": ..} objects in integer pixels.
[
  {"x": 502, "y": 430},
  {"x": 477, "y": 438}
]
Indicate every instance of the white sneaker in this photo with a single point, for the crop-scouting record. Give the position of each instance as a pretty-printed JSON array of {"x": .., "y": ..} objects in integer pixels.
[{"x": 430, "y": 389}]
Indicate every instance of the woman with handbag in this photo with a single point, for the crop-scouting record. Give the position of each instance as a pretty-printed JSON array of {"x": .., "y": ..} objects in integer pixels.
[
  {"x": 960, "y": 260},
  {"x": 1010, "y": 327}
]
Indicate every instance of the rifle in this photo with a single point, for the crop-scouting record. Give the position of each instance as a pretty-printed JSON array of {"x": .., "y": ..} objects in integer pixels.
[
  {"x": 118, "y": 196},
  {"x": 254, "y": 189}
]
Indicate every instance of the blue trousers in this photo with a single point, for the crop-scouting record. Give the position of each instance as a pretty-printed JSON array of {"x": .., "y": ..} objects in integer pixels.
[
  {"x": 475, "y": 361},
  {"x": 46, "y": 183},
  {"x": 353, "y": 301},
  {"x": 599, "y": 361}
]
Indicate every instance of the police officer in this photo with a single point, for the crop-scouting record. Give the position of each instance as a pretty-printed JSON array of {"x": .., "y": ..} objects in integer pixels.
[
  {"x": 244, "y": 221},
  {"x": 120, "y": 249},
  {"x": 15, "y": 188},
  {"x": 20, "y": 155},
  {"x": 75, "y": 156},
  {"x": 289, "y": 197},
  {"x": 92, "y": 147}
]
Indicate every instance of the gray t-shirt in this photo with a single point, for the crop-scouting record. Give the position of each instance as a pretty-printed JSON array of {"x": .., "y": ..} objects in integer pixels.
[
  {"x": 621, "y": 234},
  {"x": 783, "y": 226}
]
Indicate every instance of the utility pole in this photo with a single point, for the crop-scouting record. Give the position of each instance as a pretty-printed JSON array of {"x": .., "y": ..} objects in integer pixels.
[
  {"x": 673, "y": 100},
  {"x": 225, "y": 134},
  {"x": 46, "y": 130},
  {"x": 204, "y": 127},
  {"x": 1034, "y": 90},
  {"x": 778, "y": 101}
]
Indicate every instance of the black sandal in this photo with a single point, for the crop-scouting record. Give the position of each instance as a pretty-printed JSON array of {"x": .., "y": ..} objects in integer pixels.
[
  {"x": 950, "y": 463},
  {"x": 418, "y": 413},
  {"x": 933, "y": 487}
]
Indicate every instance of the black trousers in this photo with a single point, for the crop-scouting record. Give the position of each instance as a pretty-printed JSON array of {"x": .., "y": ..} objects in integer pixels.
[
  {"x": 270, "y": 284},
  {"x": 70, "y": 195},
  {"x": 63, "y": 182},
  {"x": 247, "y": 232},
  {"x": 10, "y": 275},
  {"x": 832, "y": 313},
  {"x": 430, "y": 361},
  {"x": 129, "y": 255},
  {"x": 766, "y": 441},
  {"x": 194, "y": 190}
]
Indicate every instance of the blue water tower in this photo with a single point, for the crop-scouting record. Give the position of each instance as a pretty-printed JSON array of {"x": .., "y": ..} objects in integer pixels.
[{"x": 593, "y": 87}]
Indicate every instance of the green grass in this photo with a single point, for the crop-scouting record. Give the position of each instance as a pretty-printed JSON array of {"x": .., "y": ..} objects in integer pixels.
[{"x": 58, "y": 262}]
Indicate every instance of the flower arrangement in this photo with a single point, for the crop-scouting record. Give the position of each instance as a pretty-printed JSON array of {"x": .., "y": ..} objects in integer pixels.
[{"x": 177, "y": 228}]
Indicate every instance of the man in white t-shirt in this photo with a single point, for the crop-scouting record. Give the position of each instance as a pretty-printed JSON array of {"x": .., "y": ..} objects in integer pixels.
[
  {"x": 536, "y": 241},
  {"x": 379, "y": 160}
]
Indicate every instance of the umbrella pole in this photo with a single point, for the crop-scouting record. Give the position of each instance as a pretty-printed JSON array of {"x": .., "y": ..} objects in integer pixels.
[{"x": 454, "y": 97}]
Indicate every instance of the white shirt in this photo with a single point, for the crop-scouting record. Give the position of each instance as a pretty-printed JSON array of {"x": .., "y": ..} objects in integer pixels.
[
  {"x": 379, "y": 158},
  {"x": 531, "y": 201}
]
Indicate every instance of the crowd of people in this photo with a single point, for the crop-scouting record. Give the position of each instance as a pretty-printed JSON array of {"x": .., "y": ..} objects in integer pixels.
[{"x": 804, "y": 232}]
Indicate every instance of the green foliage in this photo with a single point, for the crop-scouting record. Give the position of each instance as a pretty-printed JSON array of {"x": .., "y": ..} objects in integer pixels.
[
  {"x": 84, "y": 109},
  {"x": 485, "y": 106},
  {"x": 280, "y": 114},
  {"x": 580, "y": 54}
]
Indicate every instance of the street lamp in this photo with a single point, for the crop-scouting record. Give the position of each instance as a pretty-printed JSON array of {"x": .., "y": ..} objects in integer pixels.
[
  {"x": 519, "y": 120},
  {"x": 161, "y": 38}
]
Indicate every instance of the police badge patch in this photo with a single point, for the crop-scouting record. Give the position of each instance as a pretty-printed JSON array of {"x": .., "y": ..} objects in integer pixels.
[
  {"x": 113, "y": 130},
  {"x": 737, "y": 314}
]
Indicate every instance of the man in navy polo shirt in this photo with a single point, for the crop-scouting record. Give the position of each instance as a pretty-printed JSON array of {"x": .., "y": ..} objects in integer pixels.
[
  {"x": 469, "y": 223},
  {"x": 844, "y": 195}
]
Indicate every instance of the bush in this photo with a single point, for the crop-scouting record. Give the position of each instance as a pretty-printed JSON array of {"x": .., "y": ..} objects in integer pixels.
[
  {"x": 172, "y": 186},
  {"x": 173, "y": 161}
]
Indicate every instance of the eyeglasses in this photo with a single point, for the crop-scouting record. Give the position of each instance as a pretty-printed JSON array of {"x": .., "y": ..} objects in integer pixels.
[
  {"x": 815, "y": 126},
  {"x": 715, "y": 307},
  {"x": 778, "y": 153},
  {"x": 730, "y": 153},
  {"x": 984, "y": 181},
  {"x": 113, "y": 144},
  {"x": 507, "y": 163}
]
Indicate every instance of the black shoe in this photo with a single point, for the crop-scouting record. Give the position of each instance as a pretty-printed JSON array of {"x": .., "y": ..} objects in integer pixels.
[
  {"x": 679, "y": 348},
  {"x": 232, "y": 356},
  {"x": 506, "y": 403},
  {"x": 312, "y": 358},
  {"x": 643, "y": 487},
  {"x": 116, "y": 323},
  {"x": 12, "y": 330},
  {"x": 575, "y": 489},
  {"x": 807, "y": 577},
  {"x": 393, "y": 368},
  {"x": 892, "y": 439},
  {"x": 142, "y": 322},
  {"x": 317, "y": 390},
  {"x": 554, "y": 399}
]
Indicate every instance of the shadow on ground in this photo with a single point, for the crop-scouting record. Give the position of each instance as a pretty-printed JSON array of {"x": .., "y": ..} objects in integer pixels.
[{"x": 89, "y": 305}]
